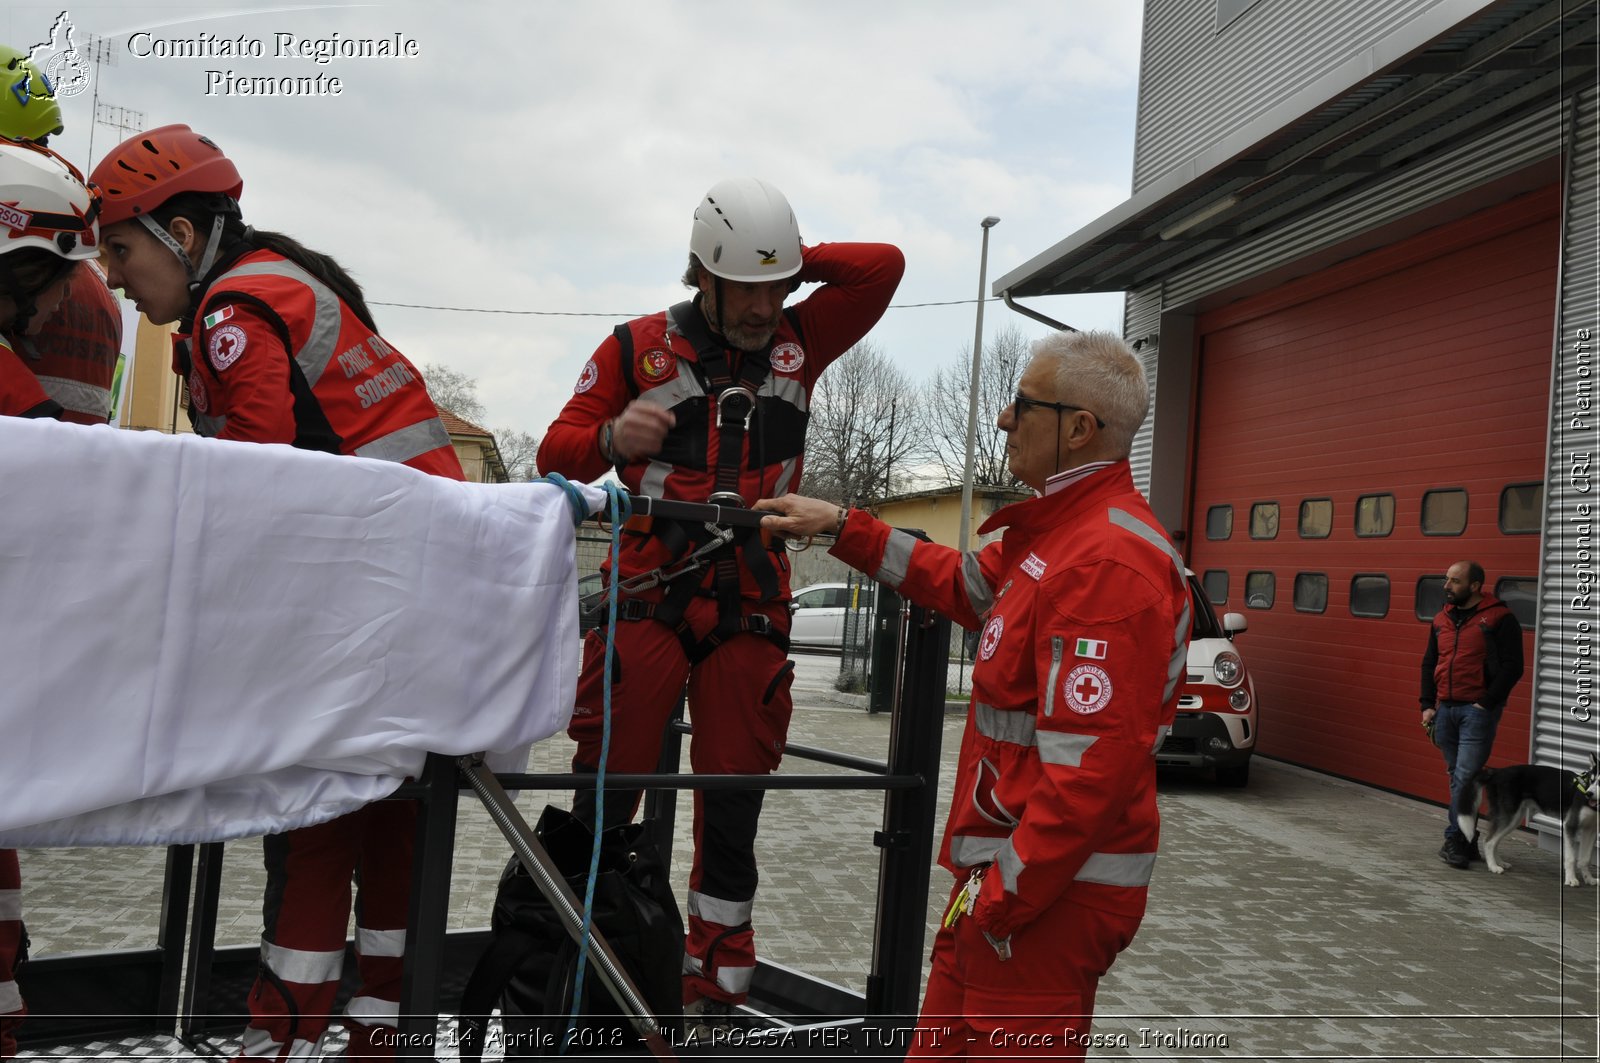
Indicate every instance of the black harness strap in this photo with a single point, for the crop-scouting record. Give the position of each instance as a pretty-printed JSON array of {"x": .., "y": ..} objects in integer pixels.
[{"x": 733, "y": 398}]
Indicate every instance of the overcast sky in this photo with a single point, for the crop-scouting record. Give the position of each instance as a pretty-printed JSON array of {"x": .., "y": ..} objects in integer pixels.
[{"x": 547, "y": 156}]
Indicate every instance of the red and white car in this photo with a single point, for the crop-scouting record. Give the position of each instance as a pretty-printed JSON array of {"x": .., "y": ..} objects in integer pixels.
[{"x": 1217, "y": 717}]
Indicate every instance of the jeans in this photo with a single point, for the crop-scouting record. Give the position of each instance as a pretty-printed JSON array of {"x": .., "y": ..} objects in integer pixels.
[{"x": 1465, "y": 735}]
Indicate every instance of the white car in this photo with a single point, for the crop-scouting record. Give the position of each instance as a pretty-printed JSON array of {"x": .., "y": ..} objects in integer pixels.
[
  {"x": 818, "y": 613},
  {"x": 1216, "y": 725}
]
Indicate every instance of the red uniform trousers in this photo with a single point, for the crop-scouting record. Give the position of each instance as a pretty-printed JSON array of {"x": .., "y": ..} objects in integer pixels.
[
  {"x": 306, "y": 912},
  {"x": 11, "y": 1007},
  {"x": 1036, "y": 1005},
  {"x": 739, "y": 703}
]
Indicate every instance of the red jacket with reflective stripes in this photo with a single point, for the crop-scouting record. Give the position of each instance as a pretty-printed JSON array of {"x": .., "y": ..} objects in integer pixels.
[
  {"x": 1085, "y": 617},
  {"x": 277, "y": 357},
  {"x": 75, "y": 354},
  {"x": 20, "y": 392},
  {"x": 858, "y": 280}
]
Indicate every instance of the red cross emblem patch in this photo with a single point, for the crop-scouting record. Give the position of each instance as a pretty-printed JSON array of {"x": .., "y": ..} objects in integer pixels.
[
  {"x": 991, "y": 638},
  {"x": 1087, "y": 689}
]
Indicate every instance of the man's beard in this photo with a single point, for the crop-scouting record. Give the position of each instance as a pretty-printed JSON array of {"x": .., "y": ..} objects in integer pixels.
[{"x": 748, "y": 339}]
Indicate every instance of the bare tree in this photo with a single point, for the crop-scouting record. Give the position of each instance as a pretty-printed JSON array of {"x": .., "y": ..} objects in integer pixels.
[
  {"x": 453, "y": 390},
  {"x": 944, "y": 406},
  {"x": 517, "y": 450},
  {"x": 864, "y": 433}
]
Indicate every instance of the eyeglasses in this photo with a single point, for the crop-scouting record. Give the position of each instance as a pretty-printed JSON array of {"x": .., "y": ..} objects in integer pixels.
[{"x": 1022, "y": 402}]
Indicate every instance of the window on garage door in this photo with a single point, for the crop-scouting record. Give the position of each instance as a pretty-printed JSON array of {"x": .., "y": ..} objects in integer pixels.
[
  {"x": 1430, "y": 597},
  {"x": 1219, "y": 522},
  {"x": 1264, "y": 520},
  {"x": 1215, "y": 581},
  {"x": 1374, "y": 515},
  {"x": 1260, "y": 590},
  {"x": 1369, "y": 595},
  {"x": 1521, "y": 593},
  {"x": 1311, "y": 592},
  {"x": 1521, "y": 507},
  {"x": 1444, "y": 511},
  {"x": 1316, "y": 518}
]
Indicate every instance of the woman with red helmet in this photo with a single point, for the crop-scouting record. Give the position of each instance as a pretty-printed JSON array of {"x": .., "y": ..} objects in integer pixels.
[
  {"x": 276, "y": 342},
  {"x": 278, "y": 346}
]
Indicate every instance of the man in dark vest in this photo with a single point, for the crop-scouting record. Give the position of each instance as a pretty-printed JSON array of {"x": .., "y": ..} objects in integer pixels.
[{"x": 1474, "y": 658}]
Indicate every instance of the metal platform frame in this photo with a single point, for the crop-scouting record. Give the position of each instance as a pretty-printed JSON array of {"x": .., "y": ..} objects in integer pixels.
[{"x": 198, "y": 991}]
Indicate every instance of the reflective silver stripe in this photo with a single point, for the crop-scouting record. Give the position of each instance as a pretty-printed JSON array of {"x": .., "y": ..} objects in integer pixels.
[
  {"x": 896, "y": 559},
  {"x": 1057, "y": 647},
  {"x": 654, "y": 481},
  {"x": 785, "y": 477},
  {"x": 735, "y": 979},
  {"x": 1010, "y": 866},
  {"x": 969, "y": 849},
  {"x": 10, "y": 905},
  {"x": 313, "y": 357},
  {"x": 1003, "y": 725},
  {"x": 786, "y": 389},
  {"x": 1180, "y": 652},
  {"x": 719, "y": 911},
  {"x": 406, "y": 443},
  {"x": 1161, "y": 738},
  {"x": 10, "y": 998},
  {"x": 1128, "y": 522},
  {"x": 691, "y": 964},
  {"x": 671, "y": 392},
  {"x": 380, "y": 942},
  {"x": 300, "y": 966},
  {"x": 1118, "y": 869},
  {"x": 370, "y": 1011},
  {"x": 979, "y": 594},
  {"x": 1057, "y": 747},
  {"x": 77, "y": 396}
]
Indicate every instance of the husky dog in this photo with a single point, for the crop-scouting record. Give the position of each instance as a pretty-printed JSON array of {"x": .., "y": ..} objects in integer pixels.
[{"x": 1515, "y": 791}]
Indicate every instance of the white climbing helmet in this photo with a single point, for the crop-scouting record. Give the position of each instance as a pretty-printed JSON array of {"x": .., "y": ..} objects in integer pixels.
[{"x": 744, "y": 230}]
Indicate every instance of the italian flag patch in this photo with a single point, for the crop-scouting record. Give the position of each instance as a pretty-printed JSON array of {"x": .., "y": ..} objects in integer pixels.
[
  {"x": 213, "y": 320},
  {"x": 1093, "y": 649}
]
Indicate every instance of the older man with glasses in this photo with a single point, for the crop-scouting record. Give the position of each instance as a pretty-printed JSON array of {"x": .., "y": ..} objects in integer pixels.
[{"x": 1085, "y": 618}]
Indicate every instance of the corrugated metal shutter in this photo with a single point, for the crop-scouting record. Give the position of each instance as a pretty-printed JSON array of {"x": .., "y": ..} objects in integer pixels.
[
  {"x": 1141, "y": 318},
  {"x": 1421, "y": 366},
  {"x": 1566, "y": 696}
]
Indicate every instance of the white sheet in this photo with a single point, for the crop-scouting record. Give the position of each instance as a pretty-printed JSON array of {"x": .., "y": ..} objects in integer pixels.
[{"x": 203, "y": 640}]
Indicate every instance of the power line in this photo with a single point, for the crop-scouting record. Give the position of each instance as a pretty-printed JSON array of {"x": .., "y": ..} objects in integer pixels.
[{"x": 587, "y": 313}]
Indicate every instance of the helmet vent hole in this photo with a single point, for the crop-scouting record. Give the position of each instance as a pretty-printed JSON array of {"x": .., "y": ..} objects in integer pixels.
[{"x": 151, "y": 148}]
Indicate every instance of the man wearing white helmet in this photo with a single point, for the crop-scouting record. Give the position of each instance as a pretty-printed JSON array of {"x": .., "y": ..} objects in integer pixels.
[
  {"x": 72, "y": 350},
  {"x": 47, "y": 227},
  {"x": 709, "y": 400}
]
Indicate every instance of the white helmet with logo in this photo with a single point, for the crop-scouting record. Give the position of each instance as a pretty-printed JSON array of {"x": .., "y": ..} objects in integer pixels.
[
  {"x": 45, "y": 204},
  {"x": 744, "y": 230}
]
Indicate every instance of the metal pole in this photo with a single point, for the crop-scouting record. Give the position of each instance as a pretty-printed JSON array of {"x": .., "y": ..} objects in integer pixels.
[{"x": 972, "y": 398}]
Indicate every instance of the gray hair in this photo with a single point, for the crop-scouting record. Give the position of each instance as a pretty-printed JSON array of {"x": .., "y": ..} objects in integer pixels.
[
  {"x": 691, "y": 276},
  {"x": 1098, "y": 371}
]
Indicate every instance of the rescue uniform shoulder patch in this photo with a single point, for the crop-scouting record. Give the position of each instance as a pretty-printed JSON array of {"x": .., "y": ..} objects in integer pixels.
[
  {"x": 1087, "y": 689},
  {"x": 788, "y": 357},
  {"x": 587, "y": 378},
  {"x": 225, "y": 344}
]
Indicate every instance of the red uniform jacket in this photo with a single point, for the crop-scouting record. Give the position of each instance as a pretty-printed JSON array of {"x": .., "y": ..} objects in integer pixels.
[
  {"x": 1085, "y": 617},
  {"x": 20, "y": 392},
  {"x": 277, "y": 357},
  {"x": 75, "y": 354},
  {"x": 858, "y": 282}
]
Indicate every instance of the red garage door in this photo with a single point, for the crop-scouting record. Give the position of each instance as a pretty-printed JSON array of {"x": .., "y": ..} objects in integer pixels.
[{"x": 1357, "y": 432}]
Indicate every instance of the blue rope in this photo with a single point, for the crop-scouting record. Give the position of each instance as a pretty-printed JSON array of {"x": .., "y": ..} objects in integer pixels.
[
  {"x": 575, "y": 499},
  {"x": 620, "y": 507}
]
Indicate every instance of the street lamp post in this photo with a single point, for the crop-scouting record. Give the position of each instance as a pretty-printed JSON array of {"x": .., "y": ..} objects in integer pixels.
[{"x": 972, "y": 398}]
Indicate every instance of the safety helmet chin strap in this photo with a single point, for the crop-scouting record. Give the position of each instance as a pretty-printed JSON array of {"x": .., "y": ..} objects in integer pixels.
[{"x": 207, "y": 259}]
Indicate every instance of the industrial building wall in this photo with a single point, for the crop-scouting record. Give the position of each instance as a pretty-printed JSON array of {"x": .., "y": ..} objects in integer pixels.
[
  {"x": 1356, "y": 432},
  {"x": 1567, "y": 716},
  {"x": 1198, "y": 83}
]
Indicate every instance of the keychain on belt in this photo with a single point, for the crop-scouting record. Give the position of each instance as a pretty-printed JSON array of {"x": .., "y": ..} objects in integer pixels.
[{"x": 963, "y": 903}]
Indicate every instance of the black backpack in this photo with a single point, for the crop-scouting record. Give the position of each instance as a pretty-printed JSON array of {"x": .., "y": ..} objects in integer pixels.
[{"x": 530, "y": 965}]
